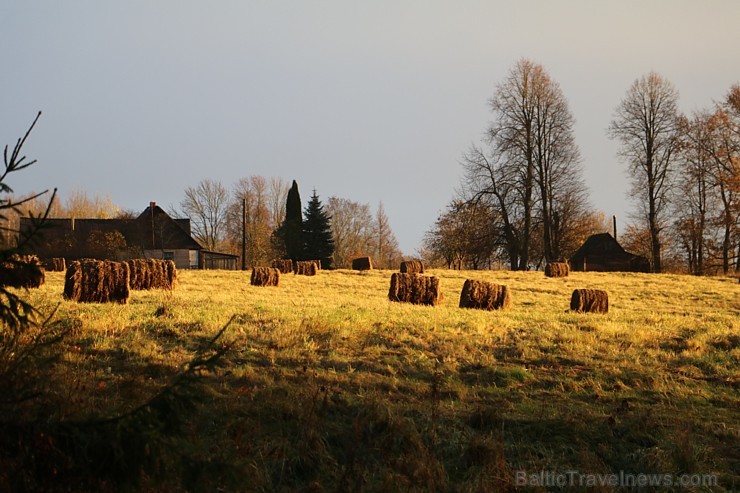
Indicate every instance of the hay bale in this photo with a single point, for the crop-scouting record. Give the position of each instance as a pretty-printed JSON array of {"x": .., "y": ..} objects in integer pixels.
[
  {"x": 589, "y": 300},
  {"x": 265, "y": 276},
  {"x": 557, "y": 269},
  {"x": 484, "y": 295},
  {"x": 362, "y": 263},
  {"x": 152, "y": 273},
  {"x": 413, "y": 288},
  {"x": 97, "y": 281},
  {"x": 306, "y": 268},
  {"x": 285, "y": 266},
  {"x": 412, "y": 267},
  {"x": 56, "y": 264},
  {"x": 22, "y": 271}
]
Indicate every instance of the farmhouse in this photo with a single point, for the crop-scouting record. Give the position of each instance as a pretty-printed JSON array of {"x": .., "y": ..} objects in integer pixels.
[
  {"x": 601, "y": 252},
  {"x": 154, "y": 234}
]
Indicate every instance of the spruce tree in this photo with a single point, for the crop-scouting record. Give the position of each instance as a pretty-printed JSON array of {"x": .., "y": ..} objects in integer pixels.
[
  {"x": 293, "y": 225},
  {"x": 318, "y": 243}
]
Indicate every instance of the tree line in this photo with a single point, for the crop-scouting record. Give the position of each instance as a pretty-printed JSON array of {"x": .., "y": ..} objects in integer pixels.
[
  {"x": 523, "y": 200},
  {"x": 278, "y": 227}
]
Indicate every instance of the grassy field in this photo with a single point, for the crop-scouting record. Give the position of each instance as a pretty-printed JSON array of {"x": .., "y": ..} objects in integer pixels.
[{"x": 328, "y": 386}]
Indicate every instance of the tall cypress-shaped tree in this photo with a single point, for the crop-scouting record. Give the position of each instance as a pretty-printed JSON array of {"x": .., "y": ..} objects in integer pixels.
[
  {"x": 318, "y": 243},
  {"x": 292, "y": 227}
]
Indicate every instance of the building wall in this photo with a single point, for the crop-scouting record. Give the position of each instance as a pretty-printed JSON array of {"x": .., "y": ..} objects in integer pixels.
[{"x": 180, "y": 257}]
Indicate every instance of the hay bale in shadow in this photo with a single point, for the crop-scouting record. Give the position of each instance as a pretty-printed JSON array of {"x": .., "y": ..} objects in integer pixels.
[
  {"x": 56, "y": 264},
  {"x": 589, "y": 300},
  {"x": 557, "y": 269},
  {"x": 265, "y": 276},
  {"x": 413, "y": 288},
  {"x": 22, "y": 271},
  {"x": 484, "y": 295},
  {"x": 362, "y": 263},
  {"x": 412, "y": 267},
  {"x": 307, "y": 268},
  {"x": 152, "y": 274},
  {"x": 97, "y": 281},
  {"x": 285, "y": 266}
]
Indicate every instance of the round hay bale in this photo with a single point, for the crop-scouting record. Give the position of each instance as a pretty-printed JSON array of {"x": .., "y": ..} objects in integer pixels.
[
  {"x": 265, "y": 276},
  {"x": 97, "y": 281},
  {"x": 56, "y": 264},
  {"x": 306, "y": 268},
  {"x": 557, "y": 269},
  {"x": 22, "y": 271},
  {"x": 484, "y": 295},
  {"x": 362, "y": 263},
  {"x": 589, "y": 300},
  {"x": 413, "y": 288},
  {"x": 73, "y": 281},
  {"x": 412, "y": 267},
  {"x": 285, "y": 266},
  {"x": 152, "y": 274}
]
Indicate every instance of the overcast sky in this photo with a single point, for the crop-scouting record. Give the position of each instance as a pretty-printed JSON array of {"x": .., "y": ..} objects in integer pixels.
[{"x": 370, "y": 101}]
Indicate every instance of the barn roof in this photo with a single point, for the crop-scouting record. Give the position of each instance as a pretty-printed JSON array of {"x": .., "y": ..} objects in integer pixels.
[
  {"x": 162, "y": 232},
  {"x": 601, "y": 252},
  {"x": 154, "y": 229},
  {"x": 600, "y": 244}
]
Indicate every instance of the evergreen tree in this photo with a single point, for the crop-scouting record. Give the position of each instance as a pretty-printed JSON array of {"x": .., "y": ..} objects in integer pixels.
[
  {"x": 292, "y": 228},
  {"x": 318, "y": 243}
]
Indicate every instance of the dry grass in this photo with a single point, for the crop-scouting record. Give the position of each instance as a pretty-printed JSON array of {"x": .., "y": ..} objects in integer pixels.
[{"x": 331, "y": 387}]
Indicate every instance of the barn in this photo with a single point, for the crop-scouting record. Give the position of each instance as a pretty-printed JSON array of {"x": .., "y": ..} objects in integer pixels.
[
  {"x": 602, "y": 253},
  {"x": 153, "y": 234}
]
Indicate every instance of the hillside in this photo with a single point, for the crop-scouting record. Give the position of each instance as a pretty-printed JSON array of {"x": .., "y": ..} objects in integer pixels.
[{"x": 328, "y": 386}]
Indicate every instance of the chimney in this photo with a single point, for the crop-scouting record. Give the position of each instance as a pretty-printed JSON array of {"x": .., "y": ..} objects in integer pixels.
[
  {"x": 152, "y": 204},
  {"x": 614, "y": 220}
]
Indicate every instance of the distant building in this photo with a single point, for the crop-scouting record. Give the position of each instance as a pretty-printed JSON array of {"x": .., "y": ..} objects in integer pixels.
[
  {"x": 601, "y": 252},
  {"x": 154, "y": 234}
]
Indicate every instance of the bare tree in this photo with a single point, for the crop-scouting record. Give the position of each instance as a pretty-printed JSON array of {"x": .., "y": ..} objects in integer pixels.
[
  {"x": 530, "y": 173},
  {"x": 489, "y": 181},
  {"x": 352, "y": 230},
  {"x": 81, "y": 205},
  {"x": 205, "y": 205},
  {"x": 277, "y": 196},
  {"x": 385, "y": 246},
  {"x": 461, "y": 236},
  {"x": 249, "y": 209},
  {"x": 695, "y": 194},
  {"x": 646, "y": 125}
]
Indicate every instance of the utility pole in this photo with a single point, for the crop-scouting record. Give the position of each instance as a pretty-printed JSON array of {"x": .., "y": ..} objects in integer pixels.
[{"x": 244, "y": 234}]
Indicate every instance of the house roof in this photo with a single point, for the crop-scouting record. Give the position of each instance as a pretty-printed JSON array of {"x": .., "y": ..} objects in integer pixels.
[
  {"x": 602, "y": 244},
  {"x": 154, "y": 229},
  {"x": 161, "y": 231}
]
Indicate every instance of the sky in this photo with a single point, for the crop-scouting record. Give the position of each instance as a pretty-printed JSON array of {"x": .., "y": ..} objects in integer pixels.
[{"x": 369, "y": 101}]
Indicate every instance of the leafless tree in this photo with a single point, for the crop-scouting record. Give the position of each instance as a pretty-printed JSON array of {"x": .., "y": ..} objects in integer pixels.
[
  {"x": 277, "y": 196},
  {"x": 530, "y": 171},
  {"x": 79, "y": 204},
  {"x": 205, "y": 204},
  {"x": 352, "y": 230},
  {"x": 696, "y": 197},
  {"x": 462, "y": 237},
  {"x": 646, "y": 125},
  {"x": 488, "y": 181},
  {"x": 385, "y": 246},
  {"x": 264, "y": 199}
]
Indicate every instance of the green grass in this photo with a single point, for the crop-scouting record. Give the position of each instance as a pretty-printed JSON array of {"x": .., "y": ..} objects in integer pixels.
[{"x": 331, "y": 387}]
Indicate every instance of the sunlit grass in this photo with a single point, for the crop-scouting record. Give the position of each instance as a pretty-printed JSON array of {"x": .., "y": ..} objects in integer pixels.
[{"x": 330, "y": 384}]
